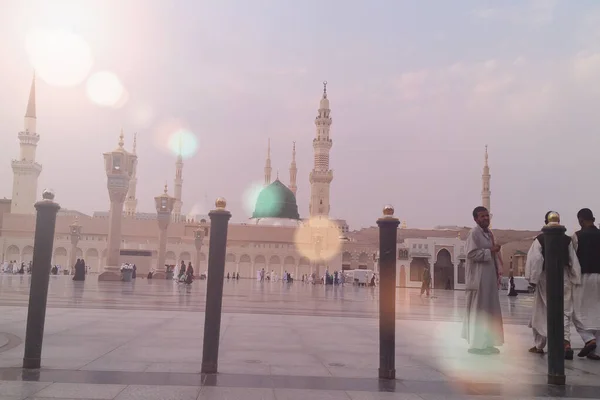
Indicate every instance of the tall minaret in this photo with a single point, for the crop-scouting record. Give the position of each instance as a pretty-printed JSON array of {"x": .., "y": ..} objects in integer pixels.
[
  {"x": 176, "y": 216},
  {"x": 293, "y": 171},
  {"x": 321, "y": 176},
  {"x": 485, "y": 179},
  {"x": 25, "y": 170},
  {"x": 268, "y": 165},
  {"x": 131, "y": 200}
]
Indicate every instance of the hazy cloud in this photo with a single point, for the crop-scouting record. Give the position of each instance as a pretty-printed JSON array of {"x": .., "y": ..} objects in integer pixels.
[{"x": 533, "y": 13}]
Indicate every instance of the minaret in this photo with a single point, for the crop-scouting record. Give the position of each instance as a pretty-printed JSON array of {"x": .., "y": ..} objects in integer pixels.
[
  {"x": 176, "y": 216},
  {"x": 321, "y": 176},
  {"x": 131, "y": 200},
  {"x": 293, "y": 171},
  {"x": 268, "y": 165},
  {"x": 485, "y": 179},
  {"x": 25, "y": 170}
]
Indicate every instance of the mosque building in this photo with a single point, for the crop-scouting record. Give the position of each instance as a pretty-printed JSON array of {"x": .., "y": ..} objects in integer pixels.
[{"x": 275, "y": 238}]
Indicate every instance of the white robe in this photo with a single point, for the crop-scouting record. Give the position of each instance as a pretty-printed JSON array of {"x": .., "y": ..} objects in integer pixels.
[
  {"x": 535, "y": 274},
  {"x": 587, "y": 300}
]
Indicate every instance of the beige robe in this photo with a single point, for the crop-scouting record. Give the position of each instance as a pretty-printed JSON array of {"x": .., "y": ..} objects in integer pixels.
[{"x": 482, "y": 326}]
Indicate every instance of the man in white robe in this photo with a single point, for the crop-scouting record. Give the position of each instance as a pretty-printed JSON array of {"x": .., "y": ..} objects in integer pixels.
[
  {"x": 482, "y": 327},
  {"x": 587, "y": 296},
  {"x": 535, "y": 273}
]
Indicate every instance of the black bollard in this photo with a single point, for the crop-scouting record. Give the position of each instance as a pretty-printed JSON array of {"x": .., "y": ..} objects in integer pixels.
[
  {"x": 554, "y": 266},
  {"x": 219, "y": 219},
  {"x": 388, "y": 233},
  {"x": 40, "y": 276}
]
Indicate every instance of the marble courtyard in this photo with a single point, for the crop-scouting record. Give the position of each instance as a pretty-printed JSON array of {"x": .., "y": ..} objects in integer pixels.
[{"x": 143, "y": 340}]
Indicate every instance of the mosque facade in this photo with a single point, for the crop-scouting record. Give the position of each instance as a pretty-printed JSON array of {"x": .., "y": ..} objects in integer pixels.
[{"x": 275, "y": 238}]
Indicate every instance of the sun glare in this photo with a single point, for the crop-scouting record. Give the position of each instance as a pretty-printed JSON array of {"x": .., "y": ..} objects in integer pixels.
[
  {"x": 318, "y": 239},
  {"x": 59, "y": 57},
  {"x": 105, "y": 89}
]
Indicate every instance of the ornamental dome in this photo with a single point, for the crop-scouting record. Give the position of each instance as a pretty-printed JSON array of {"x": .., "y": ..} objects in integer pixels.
[{"x": 276, "y": 201}]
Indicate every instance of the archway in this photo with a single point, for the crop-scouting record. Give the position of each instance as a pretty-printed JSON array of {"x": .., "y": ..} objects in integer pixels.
[
  {"x": 91, "y": 259},
  {"x": 303, "y": 267},
  {"x": 363, "y": 261},
  {"x": 443, "y": 271},
  {"x": 60, "y": 257},
  {"x": 417, "y": 268},
  {"x": 275, "y": 266},
  {"x": 245, "y": 266},
  {"x": 260, "y": 263},
  {"x": 185, "y": 256},
  {"x": 169, "y": 259},
  {"x": 346, "y": 260},
  {"x": 27, "y": 254},
  {"x": 402, "y": 277},
  {"x": 13, "y": 253},
  {"x": 230, "y": 264},
  {"x": 289, "y": 264}
]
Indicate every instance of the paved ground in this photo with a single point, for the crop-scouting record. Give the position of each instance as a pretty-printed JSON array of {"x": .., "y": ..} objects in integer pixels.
[
  {"x": 250, "y": 296},
  {"x": 274, "y": 345}
]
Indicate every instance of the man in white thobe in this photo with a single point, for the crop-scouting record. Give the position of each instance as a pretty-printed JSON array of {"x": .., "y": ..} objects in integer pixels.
[
  {"x": 587, "y": 296},
  {"x": 482, "y": 327},
  {"x": 535, "y": 273}
]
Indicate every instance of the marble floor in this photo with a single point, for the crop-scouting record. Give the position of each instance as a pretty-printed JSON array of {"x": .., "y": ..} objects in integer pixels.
[{"x": 299, "y": 342}]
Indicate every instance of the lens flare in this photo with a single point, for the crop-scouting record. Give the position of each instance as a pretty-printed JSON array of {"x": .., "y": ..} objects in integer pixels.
[
  {"x": 318, "y": 239},
  {"x": 461, "y": 365},
  {"x": 59, "y": 57},
  {"x": 250, "y": 197},
  {"x": 183, "y": 143},
  {"x": 176, "y": 138},
  {"x": 105, "y": 89}
]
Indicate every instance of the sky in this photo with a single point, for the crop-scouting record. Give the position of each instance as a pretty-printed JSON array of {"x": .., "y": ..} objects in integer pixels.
[{"x": 417, "y": 89}]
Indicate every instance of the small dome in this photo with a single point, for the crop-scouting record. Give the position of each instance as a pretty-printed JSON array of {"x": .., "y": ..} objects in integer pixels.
[{"x": 276, "y": 201}]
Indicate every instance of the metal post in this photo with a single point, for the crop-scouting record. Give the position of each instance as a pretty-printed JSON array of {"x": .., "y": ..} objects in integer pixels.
[
  {"x": 388, "y": 233},
  {"x": 40, "y": 276},
  {"x": 554, "y": 266},
  {"x": 219, "y": 219}
]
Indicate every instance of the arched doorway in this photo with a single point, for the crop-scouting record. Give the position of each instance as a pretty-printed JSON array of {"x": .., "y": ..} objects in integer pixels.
[
  {"x": 13, "y": 254},
  {"x": 60, "y": 257},
  {"x": 363, "y": 260},
  {"x": 346, "y": 260},
  {"x": 402, "y": 277},
  {"x": 230, "y": 265},
  {"x": 245, "y": 266},
  {"x": 91, "y": 259},
  {"x": 27, "y": 254},
  {"x": 443, "y": 270}
]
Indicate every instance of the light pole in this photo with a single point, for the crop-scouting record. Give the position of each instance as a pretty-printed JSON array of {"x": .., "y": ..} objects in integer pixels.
[
  {"x": 164, "y": 207},
  {"x": 75, "y": 231},
  {"x": 198, "y": 241},
  {"x": 119, "y": 165}
]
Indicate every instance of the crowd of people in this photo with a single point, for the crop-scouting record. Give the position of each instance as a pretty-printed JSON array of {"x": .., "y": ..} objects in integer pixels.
[
  {"x": 579, "y": 258},
  {"x": 13, "y": 267}
]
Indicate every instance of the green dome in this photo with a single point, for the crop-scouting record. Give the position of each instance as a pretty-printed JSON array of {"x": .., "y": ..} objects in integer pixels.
[{"x": 276, "y": 201}]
